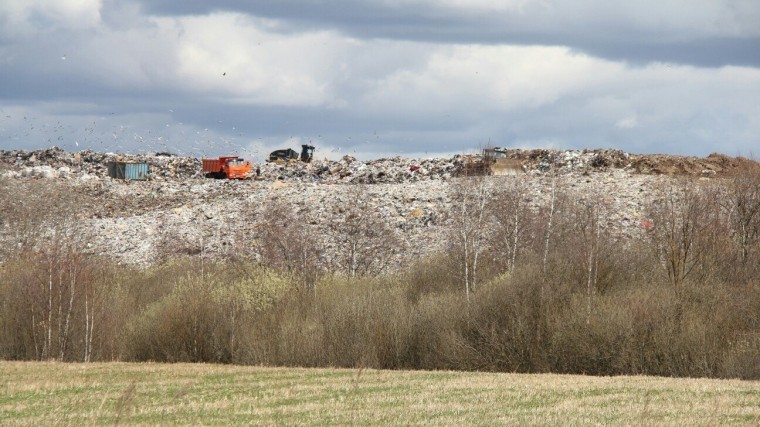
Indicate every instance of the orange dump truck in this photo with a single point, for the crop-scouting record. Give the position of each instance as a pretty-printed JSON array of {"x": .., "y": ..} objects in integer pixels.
[{"x": 230, "y": 167}]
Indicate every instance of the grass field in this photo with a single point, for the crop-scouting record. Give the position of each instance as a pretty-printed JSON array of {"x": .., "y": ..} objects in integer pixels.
[{"x": 122, "y": 393}]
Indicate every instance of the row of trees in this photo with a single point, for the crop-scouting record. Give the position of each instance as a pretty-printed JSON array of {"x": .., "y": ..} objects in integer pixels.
[
  {"x": 690, "y": 228},
  {"x": 61, "y": 294},
  {"x": 522, "y": 285}
]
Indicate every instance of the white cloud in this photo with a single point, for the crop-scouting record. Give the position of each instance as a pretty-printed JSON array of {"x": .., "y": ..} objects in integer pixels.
[
  {"x": 479, "y": 6},
  {"x": 487, "y": 78},
  {"x": 227, "y": 58},
  {"x": 25, "y": 17},
  {"x": 629, "y": 122},
  {"x": 241, "y": 59},
  {"x": 672, "y": 19},
  {"x": 415, "y": 94}
]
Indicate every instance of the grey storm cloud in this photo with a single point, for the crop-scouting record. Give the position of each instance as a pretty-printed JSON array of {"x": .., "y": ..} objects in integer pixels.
[
  {"x": 377, "y": 78},
  {"x": 700, "y": 32}
]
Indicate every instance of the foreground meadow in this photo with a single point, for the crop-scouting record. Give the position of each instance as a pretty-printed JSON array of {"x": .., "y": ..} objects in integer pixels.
[{"x": 33, "y": 393}]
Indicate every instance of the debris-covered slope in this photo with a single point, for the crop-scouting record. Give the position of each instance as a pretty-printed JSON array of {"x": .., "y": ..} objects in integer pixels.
[
  {"x": 54, "y": 162},
  {"x": 133, "y": 220}
]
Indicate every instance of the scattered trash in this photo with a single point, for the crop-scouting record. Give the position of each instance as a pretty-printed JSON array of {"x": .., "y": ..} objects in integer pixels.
[
  {"x": 165, "y": 166},
  {"x": 412, "y": 195}
]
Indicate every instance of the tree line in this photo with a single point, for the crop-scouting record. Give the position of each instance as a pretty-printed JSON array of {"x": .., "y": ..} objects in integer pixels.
[{"x": 518, "y": 287}]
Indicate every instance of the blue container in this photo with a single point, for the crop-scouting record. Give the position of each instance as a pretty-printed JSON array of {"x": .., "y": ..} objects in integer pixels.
[{"x": 128, "y": 171}]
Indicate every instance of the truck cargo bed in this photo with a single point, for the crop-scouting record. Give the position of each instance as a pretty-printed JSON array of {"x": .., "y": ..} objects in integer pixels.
[{"x": 211, "y": 165}]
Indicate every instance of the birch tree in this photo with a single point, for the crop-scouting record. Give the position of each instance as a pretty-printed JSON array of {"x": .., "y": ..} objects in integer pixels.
[
  {"x": 552, "y": 205},
  {"x": 510, "y": 211},
  {"x": 45, "y": 226},
  {"x": 469, "y": 226},
  {"x": 588, "y": 226}
]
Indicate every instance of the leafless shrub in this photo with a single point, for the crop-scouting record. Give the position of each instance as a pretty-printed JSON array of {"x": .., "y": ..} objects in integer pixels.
[
  {"x": 511, "y": 213},
  {"x": 55, "y": 276},
  {"x": 742, "y": 205},
  {"x": 285, "y": 243},
  {"x": 583, "y": 303},
  {"x": 683, "y": 217},
  {"x": 366, "y": 244},
  {"x": 589, "y": 246},
  {"x": 434, "y": 274},
  {"x": 507, "y": 325},
  {"x": 202, "y": 318}
]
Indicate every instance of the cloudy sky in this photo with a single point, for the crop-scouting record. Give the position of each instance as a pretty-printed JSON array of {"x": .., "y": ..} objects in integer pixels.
[{"x": 380, "y": 78}]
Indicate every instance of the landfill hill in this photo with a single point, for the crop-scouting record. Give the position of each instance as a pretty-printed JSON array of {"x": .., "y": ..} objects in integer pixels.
[
  {"x": 180, "y": 211},
  {"x": 55, "y": 162}
]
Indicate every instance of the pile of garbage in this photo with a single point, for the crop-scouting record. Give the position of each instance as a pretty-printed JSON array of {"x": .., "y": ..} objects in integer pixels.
[
  {"x": 585, "y": 161},
  {"x": 57, "y": 163},
  {"x": 542, "y": 161},
  {"x": 136, "y": 221},
  {"x": 351, "y": 170},
  {"x": 54, "y": 162}
]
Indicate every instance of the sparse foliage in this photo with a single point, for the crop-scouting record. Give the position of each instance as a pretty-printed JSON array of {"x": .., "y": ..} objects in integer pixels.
[
  {"x": 509, "y": 209},
  {"x": 742, "y": 204},
  {"x": 589, "y": 229},
  {"x": 286, "y": 243},
  {"x": 366, "y": 243},
  {"x": 574, "y": 299},
  {"x": 683, "y": 216},
  {"x": 55, "y": 277},
  {"x": 470, "y": 226}
]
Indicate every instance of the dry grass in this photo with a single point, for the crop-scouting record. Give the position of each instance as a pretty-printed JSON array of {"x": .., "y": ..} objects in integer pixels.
[{"x": 119, "y": 393}]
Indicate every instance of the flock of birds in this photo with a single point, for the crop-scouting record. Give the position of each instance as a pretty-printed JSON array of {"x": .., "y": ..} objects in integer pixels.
[{"x": 104, "y": 134}]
